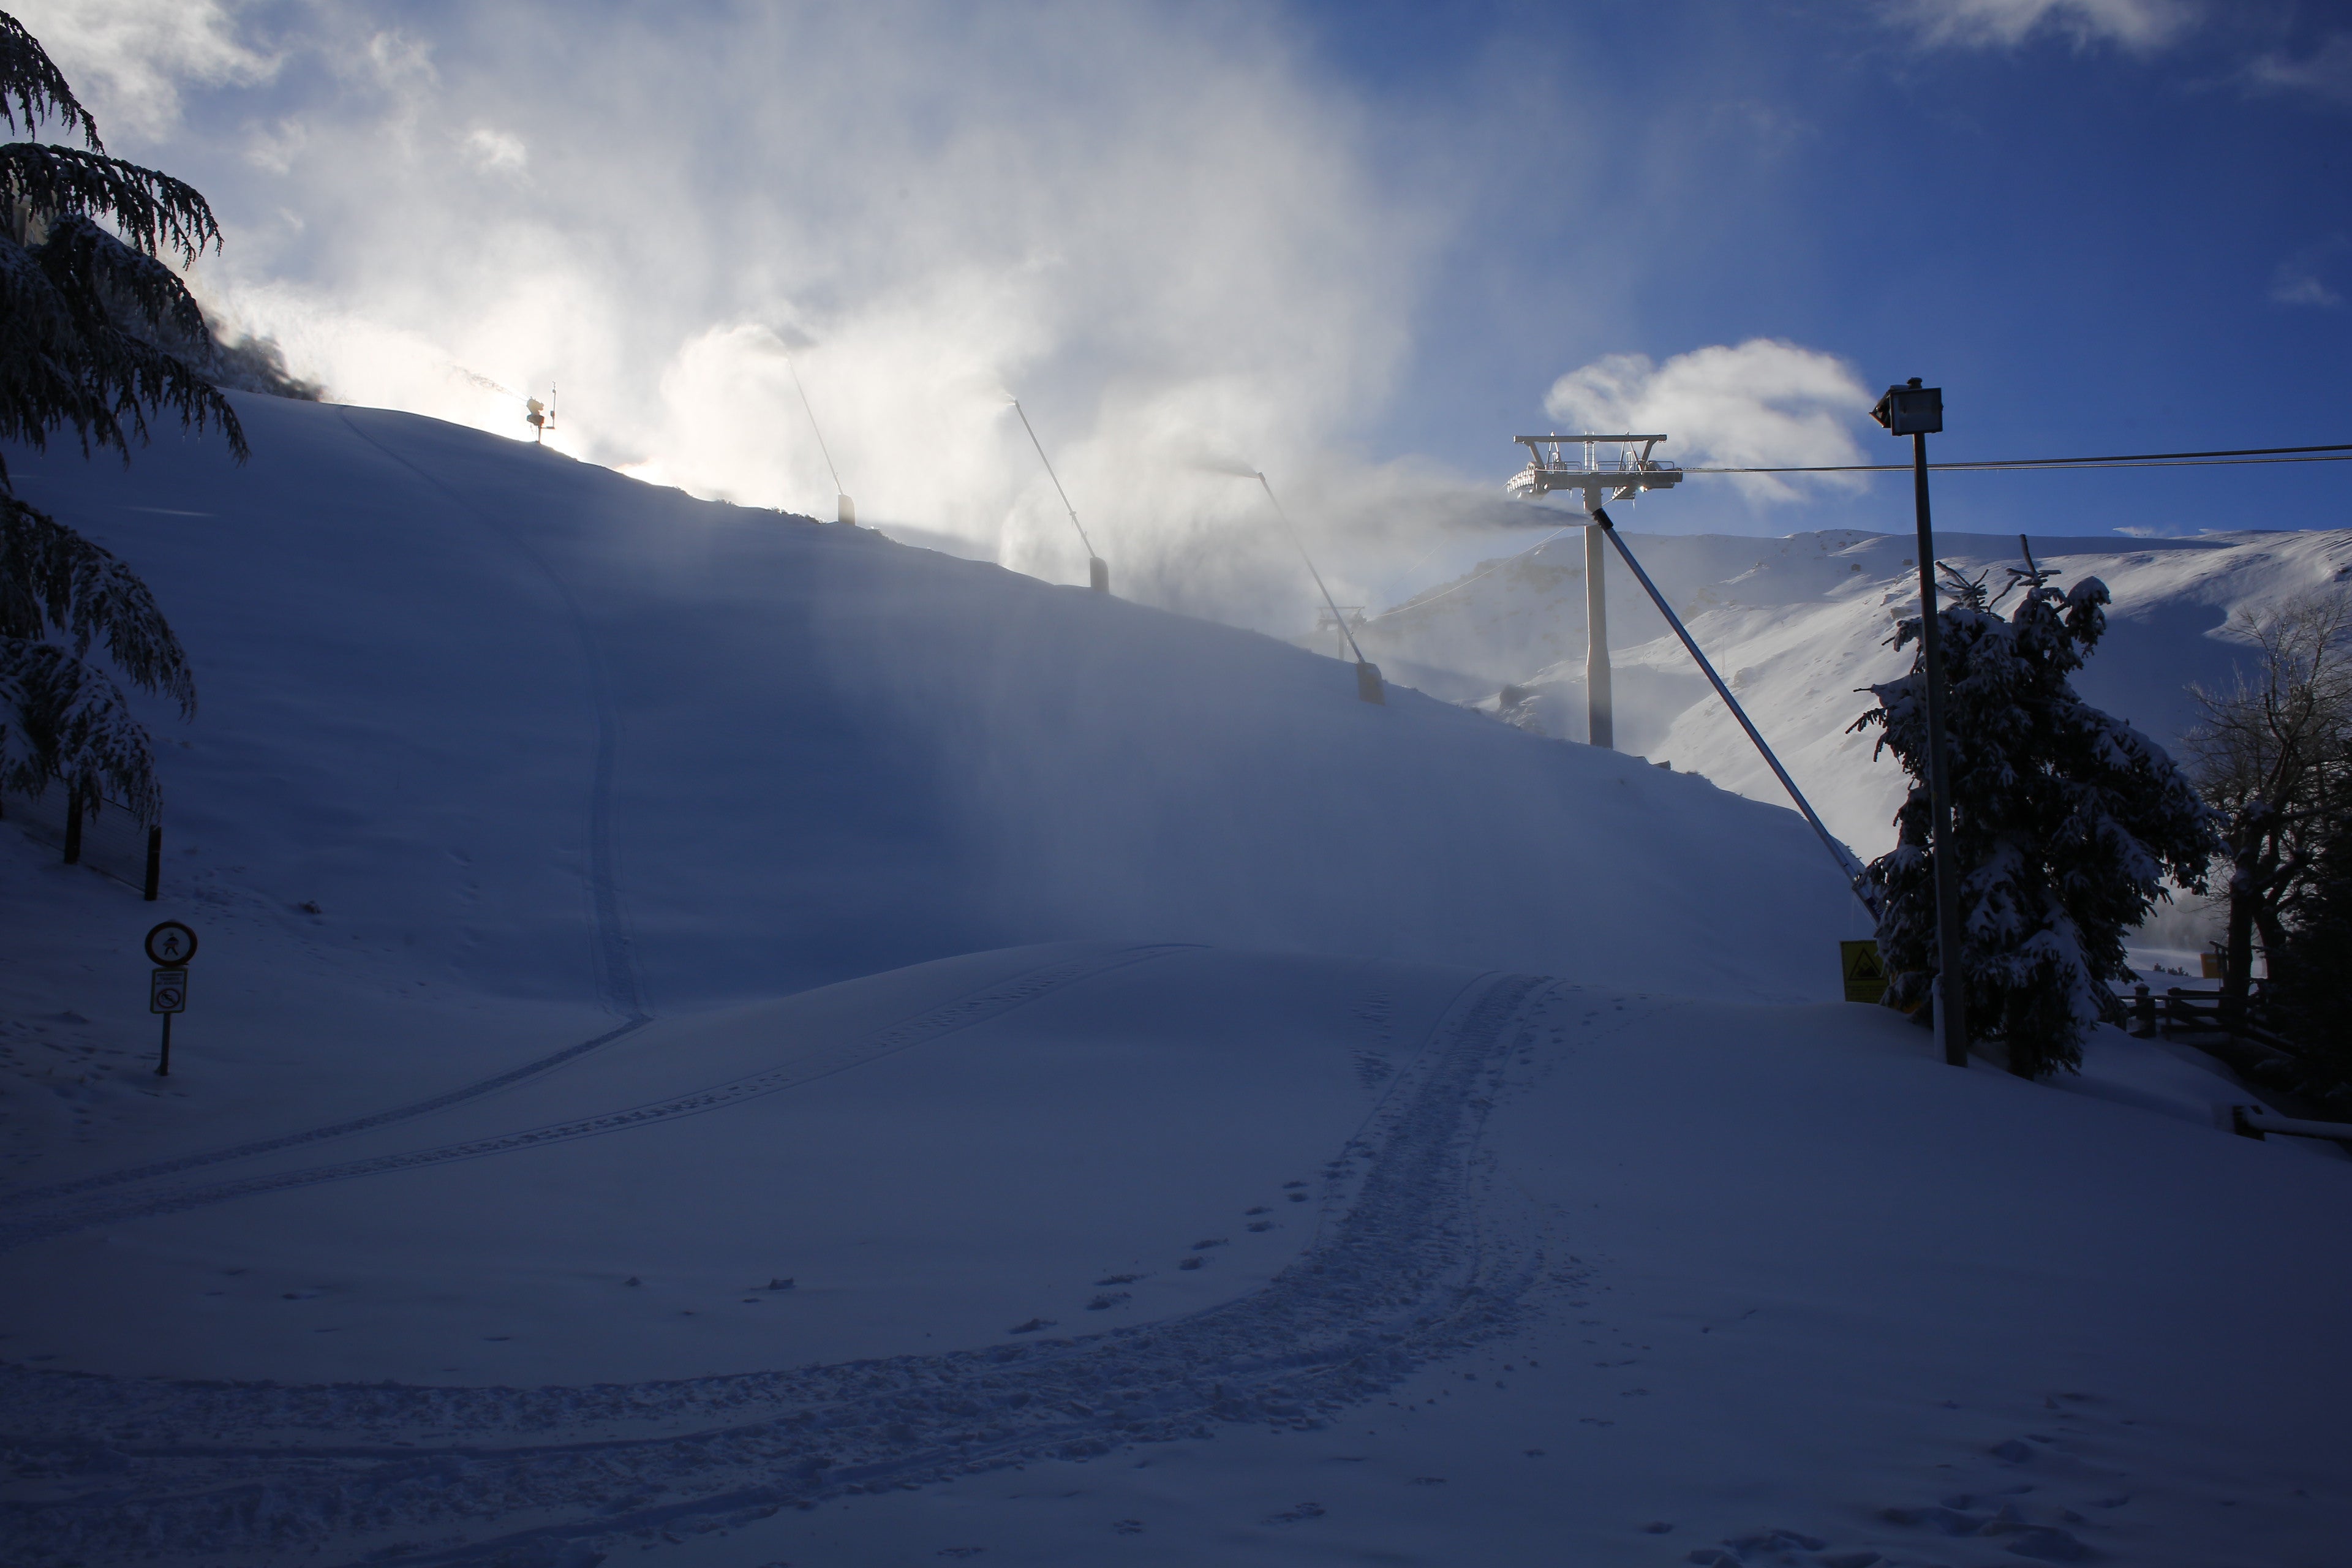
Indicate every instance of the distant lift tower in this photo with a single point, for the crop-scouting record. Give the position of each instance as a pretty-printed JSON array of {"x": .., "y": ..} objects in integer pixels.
[
  {"x": 1551, "y": 465},
  {"x": 1338, "y": 621}
]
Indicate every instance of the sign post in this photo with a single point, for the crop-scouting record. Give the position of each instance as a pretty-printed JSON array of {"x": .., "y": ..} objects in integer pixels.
[
  {"x": 1917, "y": 412},
  {"x": 170, "y": 946}
]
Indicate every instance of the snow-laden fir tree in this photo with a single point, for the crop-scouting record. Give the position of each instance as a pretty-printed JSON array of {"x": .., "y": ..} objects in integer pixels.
[
  {"x": 85, "y": 300},
  {"x": 2067, "y": 823}
]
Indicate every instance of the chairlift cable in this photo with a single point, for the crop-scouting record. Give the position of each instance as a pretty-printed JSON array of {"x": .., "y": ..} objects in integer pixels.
[
  {"x": 1297, "y": 544},
  {"x": 1056, "y": 478},
  {"x": 2336, "y": 453}
]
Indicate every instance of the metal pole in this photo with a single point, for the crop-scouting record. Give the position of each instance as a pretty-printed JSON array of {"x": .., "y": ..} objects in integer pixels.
[
  {"x": 844, "y": 509},
  {"x": 1847, "y": 864},
  {"x": 163, "y": 1066},
  {"x": 1097, "y": 569},
  {"x": 1368, "y": 675},
  {"x": 1950, "y": 994},
  {"x": 1600, "y": 709}
]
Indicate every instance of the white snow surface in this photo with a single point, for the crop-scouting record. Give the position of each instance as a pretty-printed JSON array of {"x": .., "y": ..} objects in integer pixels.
[
  {"x": 1798, "y": 627},
  {"x": 809, "y": 1051}
]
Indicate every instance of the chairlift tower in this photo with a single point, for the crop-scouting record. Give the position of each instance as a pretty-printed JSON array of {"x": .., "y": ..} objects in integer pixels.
[
  {"x": 1633, "y": 473},
  {"x": 1553, "y": 465},
  {"x": 1338, "y": 620}
]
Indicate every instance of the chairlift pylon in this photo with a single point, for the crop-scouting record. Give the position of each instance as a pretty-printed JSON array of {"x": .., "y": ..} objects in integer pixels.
[
  {"x": 1576, "y": 463},
  {"x": 1633, "y": 473}
]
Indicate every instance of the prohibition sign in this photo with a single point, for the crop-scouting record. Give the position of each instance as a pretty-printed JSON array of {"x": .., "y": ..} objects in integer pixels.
[{"x": 171, "y": 944}]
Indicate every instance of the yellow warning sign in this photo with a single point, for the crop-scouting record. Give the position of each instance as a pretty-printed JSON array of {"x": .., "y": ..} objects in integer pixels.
[
  {"x": 1865, "y": 972},
  {"x": 2210, "y": 963}
]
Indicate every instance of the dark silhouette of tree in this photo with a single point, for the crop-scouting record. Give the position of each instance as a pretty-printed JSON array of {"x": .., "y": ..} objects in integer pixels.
[
  {"x": 86, "y": 293},
  {"x": 2067, "y": 823},
  {"x": 2273, "y": 755}
]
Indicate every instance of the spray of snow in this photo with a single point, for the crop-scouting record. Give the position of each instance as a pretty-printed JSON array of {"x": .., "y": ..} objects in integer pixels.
[{"x": 1153, "y": 224}]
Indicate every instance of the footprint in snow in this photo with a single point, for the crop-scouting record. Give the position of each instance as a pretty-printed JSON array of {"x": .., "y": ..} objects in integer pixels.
[
  {"x": 1033, "y": 1326},
  {"x": 1261, "y": 1225},
  {"x": 1260, "y": 1209},
  {"x": 1213, "y": 1241},
  {"x": 1127, "y": 1526},
  {"x": 1108, "y": 1299},
  {"x": 1119, "y": 1279},
  {"x": 1191, "y": 1263}
]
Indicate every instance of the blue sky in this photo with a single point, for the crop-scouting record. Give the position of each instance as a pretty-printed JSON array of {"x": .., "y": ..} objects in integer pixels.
[
  {"x": 2093, "y": 247},
  {"x": 1355, "y": 244}
]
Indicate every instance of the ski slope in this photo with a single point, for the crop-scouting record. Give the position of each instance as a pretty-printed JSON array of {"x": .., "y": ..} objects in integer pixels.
[{"x": 722, "y": 1040}]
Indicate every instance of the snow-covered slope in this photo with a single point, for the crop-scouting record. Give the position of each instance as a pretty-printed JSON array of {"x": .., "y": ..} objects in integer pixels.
[
  {"x": 1797, "y": 625},
  {"x": 461, "y": 692},
  {"x": 810, "y": 1051}
]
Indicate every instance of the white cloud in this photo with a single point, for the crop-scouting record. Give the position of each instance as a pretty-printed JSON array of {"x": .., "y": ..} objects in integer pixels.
[
  {"x": 1762, "y": 404},
  {"x": 1145, "y": 221},
  {"x": 2134, "y": 23},
  {"x": 274, "y": 147},
  {"x": 2301, "y": 288},
  {"x": 2324, "y": 74},
  {"x": 2298, "y": 280},
  {"x": 129, "y": 59},
  {"x": 497, "y": 152}
]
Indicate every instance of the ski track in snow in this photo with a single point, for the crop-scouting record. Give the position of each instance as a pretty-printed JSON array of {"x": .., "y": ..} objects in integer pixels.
[
  {"x": 616, "y": 972},
  {"x": 805, "y": 1067},
  {"x": 18, "y": 1201},
  {"x": 616, "y": 966},
  {"x": 1416, "y": 1260}
]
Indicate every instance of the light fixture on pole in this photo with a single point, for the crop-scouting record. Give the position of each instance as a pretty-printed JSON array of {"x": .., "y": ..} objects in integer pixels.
[{"x": 1917, "y": 412}]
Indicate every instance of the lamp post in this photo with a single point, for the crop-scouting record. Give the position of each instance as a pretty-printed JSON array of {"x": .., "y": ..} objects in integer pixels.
[{"x": 1917, "y": 412}]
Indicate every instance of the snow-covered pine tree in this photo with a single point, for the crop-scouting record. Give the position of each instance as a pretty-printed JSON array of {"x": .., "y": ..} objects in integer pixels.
[
  {"x": 85, "y": 295},
  {"x": 2065, "y": 822}
]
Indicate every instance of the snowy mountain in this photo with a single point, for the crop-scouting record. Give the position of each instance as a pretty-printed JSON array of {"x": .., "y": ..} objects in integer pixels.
[
  {"x": 721, "y": 1041},
  {"x": 1798, "y": 625}
]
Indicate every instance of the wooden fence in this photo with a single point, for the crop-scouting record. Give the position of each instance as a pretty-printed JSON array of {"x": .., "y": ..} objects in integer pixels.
[{"x": 100, "y": 833}]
